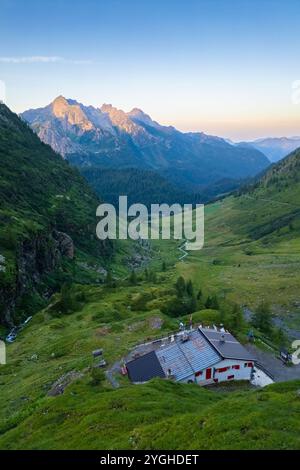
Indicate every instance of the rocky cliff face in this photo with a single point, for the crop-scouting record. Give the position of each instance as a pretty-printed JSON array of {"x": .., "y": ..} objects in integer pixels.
[{"x": 35, "y": 258}]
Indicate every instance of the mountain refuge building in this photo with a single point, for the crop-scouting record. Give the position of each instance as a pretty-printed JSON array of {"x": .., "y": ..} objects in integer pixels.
[{"x": 203, "y": 356}]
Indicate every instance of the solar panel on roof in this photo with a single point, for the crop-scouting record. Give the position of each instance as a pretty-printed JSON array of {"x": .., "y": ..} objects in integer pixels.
[
  {"x": 230, "y": 348},
  {"x": 144, "y": 368}
]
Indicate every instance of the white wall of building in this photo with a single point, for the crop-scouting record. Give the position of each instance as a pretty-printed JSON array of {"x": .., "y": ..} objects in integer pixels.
[{"x": 235, "y": 370}]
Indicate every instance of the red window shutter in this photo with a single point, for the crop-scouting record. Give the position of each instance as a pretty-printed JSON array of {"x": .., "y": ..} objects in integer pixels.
[
  {"x": 230, "y": 377},
  {"x": 236, "y": 366}
]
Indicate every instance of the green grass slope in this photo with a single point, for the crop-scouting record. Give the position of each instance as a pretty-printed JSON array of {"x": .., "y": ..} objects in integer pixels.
[
  {"x": 158, "y": 415},
  {"x": 162, "y": 415},
  {"x": 252, "y": 241},
  {"x": 39, "y": 193}
]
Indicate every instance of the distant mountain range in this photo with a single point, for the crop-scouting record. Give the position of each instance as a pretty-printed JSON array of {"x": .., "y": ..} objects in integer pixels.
[
  {"x": 106, "y": 137},
  {"x": 275, "y": 148}
]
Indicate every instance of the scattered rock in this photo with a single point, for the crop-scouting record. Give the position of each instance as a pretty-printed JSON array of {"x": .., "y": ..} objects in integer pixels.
[
  {"x": 103, "y": 331},
  {"x": 136, "y": 326},
  {"x": 2, "y": 262},
  {"x": 61, "y": 384},
  {"x": 156, "y": 323},
  {"x": 65, "y": 243}
]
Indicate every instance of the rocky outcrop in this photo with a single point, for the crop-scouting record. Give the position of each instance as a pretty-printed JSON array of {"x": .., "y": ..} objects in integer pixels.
[
  {"x": 62, "y": 383},
  {"x": 35, "y": 257},
  {"x": 65, "y": 244}
]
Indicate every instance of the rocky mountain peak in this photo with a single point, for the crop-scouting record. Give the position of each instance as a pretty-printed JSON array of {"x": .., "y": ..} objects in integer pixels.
[
  {"x": 72, "y": 112},
  {"x": 121, "y": 119}
]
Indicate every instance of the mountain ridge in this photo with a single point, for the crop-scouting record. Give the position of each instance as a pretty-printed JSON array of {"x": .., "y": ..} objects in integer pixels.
[
  {"x": 276, "y": 148},
  {"x": 109, "y": 137}
]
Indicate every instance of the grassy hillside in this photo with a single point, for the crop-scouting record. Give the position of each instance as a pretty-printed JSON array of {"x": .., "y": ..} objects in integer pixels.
[
  {"x": 90, "y": 414},
  {"x": 251, "y": 253},
  {"x": 162, "y": 415},
  {"x": 252, "y": 242},
  {"x": 44, "y": 202}
]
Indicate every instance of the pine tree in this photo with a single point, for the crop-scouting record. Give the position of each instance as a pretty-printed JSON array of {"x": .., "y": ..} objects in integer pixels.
[
  {"x": 67, "y": 301},
  {"x": 212, "y": 302},
  {"x": 262, "y": 318},
  {"x": 180, "y": 286},
  {"x": 192, "y": 304},
  {"x": 279, "y": 337},
  {"x": 237, "y": 319},
  {"x": 189, "y": 288}
]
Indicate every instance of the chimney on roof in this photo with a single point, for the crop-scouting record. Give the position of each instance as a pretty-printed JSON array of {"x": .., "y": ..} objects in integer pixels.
[{"x": 222, "y": 339}]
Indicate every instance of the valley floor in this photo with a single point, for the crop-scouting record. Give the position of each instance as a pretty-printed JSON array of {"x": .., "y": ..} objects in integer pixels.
[{"x": 161, "y": 414}]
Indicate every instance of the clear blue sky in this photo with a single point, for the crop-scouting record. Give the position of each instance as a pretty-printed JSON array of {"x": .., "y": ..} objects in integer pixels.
[{"x": 222, "y": 66}]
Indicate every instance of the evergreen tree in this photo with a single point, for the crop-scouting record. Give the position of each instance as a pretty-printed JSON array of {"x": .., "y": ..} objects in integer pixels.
[
  {"x": 192, "y": 304},
  {"x": 279, "y": 337},
  {"x": 180, "y": 286},
  {"x": 262, "y": 318},
  {"x": 212, "y": 302},
  {"x": 189, "y": 288},
  {"x": 67, "y": 302},
  {"x": 237, "y": 319}
]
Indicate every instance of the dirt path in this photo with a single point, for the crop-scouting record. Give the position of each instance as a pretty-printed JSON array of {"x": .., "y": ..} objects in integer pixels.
[
  {"x": 272, "y": 200},
  {"x": 181, "y": 248}
]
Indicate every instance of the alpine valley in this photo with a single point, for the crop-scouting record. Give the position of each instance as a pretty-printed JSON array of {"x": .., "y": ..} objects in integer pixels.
[
  {"x": 149, "y": 333},
  {"x": 53, "y": 396}
]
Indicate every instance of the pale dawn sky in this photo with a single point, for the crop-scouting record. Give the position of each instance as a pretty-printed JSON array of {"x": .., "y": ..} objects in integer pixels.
[{"x": 225, "y": 67}]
